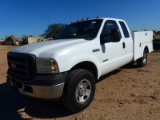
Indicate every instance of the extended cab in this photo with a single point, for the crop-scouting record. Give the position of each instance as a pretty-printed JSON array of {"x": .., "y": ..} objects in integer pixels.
[{"x": 68, "y": 66}]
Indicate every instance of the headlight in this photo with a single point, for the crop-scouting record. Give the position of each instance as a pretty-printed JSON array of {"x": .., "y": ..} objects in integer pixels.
[{"x": 47, "y": 66}]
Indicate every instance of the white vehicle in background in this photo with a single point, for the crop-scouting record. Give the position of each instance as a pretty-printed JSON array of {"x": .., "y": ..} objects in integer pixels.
[{"x": 68, "y": 66}]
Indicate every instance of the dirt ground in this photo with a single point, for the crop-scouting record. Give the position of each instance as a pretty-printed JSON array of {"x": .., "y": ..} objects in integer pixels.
[{"x": 129, "y": 93}]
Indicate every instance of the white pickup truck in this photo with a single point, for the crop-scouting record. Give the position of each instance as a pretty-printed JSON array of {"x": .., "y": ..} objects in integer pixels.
[{"x": 68, "y": 66}]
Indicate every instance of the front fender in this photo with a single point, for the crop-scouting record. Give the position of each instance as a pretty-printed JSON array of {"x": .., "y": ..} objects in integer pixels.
[{"x": 66, "y": 64}]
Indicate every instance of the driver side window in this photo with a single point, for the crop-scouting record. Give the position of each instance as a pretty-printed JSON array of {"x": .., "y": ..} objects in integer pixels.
[{"x": 109, "y": 32}]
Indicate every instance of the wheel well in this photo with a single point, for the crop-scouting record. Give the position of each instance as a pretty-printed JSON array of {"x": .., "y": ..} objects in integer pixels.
[
  {"x": 87, "y": 66},
  {"x": 146, "y": 48}
]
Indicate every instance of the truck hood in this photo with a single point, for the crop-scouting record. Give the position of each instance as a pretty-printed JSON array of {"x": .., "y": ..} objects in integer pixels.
[{"x": 48, "y": 48}]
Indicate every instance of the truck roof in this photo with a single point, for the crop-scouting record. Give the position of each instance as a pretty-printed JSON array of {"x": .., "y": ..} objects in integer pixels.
[
  {"x": 104, "y": 18},
  {"x": 108, "y": 18}
]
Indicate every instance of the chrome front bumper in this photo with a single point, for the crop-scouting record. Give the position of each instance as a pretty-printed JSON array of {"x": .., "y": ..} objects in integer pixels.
[{"x": 43, "y": 92}]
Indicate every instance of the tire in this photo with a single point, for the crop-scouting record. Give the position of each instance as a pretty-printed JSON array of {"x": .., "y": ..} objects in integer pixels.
[
  {"x": 79, "y": 90},
  {"x": 141, "y": 62}
]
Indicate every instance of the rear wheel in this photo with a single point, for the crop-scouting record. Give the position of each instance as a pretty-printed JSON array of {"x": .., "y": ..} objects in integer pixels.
[
  {"x": 141, "y": 62},
  {"x": 79, "y": 90}
]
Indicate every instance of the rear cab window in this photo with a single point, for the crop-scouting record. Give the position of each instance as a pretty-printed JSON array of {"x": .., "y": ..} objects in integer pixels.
[{"x": 124, "y": 29}]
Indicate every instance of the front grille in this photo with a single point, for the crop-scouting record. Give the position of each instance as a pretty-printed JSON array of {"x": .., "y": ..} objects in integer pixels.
[{"x": 21, "y": 66}]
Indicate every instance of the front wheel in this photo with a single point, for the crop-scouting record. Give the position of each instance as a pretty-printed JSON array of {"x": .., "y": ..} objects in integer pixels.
[
  {"x": 79, "y": 90},
  {"x": 141, "y": 62}
]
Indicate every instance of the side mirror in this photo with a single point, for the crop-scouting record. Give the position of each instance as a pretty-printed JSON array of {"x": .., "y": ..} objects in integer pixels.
[
  {"x": 116, "y": 36},
  {"x": 104, "y": 38}
]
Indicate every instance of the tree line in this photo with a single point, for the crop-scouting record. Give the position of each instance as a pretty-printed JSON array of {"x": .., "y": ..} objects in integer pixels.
[
  {"x": 53, "y": 30},
  {"x": 50, "y": 32}
]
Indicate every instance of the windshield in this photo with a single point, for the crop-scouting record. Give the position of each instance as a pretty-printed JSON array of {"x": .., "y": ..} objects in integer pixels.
[{"x": 85, "y": 29}]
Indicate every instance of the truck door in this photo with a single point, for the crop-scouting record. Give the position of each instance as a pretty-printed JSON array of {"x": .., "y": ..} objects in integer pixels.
[
  {"x": 112, "y": 47},
  {"x": 128, "y": 40}
]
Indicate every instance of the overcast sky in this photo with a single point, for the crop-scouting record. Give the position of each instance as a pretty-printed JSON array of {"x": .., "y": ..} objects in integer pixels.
[{"x": 31, "y": 17}]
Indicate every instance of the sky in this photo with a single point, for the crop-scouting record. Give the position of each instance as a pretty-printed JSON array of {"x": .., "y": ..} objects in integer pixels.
[{"x": 32, "y": 17}]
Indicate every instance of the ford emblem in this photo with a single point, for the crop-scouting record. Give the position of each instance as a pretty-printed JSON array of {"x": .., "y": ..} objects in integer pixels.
[{"x": 13, "y": 65}]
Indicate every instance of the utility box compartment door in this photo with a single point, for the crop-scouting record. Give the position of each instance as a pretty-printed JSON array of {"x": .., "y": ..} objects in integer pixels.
[{"x": 141, "y": 39}]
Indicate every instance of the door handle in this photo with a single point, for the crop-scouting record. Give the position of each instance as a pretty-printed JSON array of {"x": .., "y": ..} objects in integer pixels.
[{"x": 124, "y": 45}]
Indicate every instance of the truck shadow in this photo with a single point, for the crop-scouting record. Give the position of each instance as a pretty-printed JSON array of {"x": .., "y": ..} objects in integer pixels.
[
  {"x": 17, "y": 107},
  {"x": 128, "y": 66},
  {"x": 108, "y": 75}
]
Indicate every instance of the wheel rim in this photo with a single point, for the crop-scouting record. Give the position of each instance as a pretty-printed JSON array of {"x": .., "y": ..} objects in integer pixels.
[
  {"x": 144, "y": 57},
  {"x": 83, "y": 91}
]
